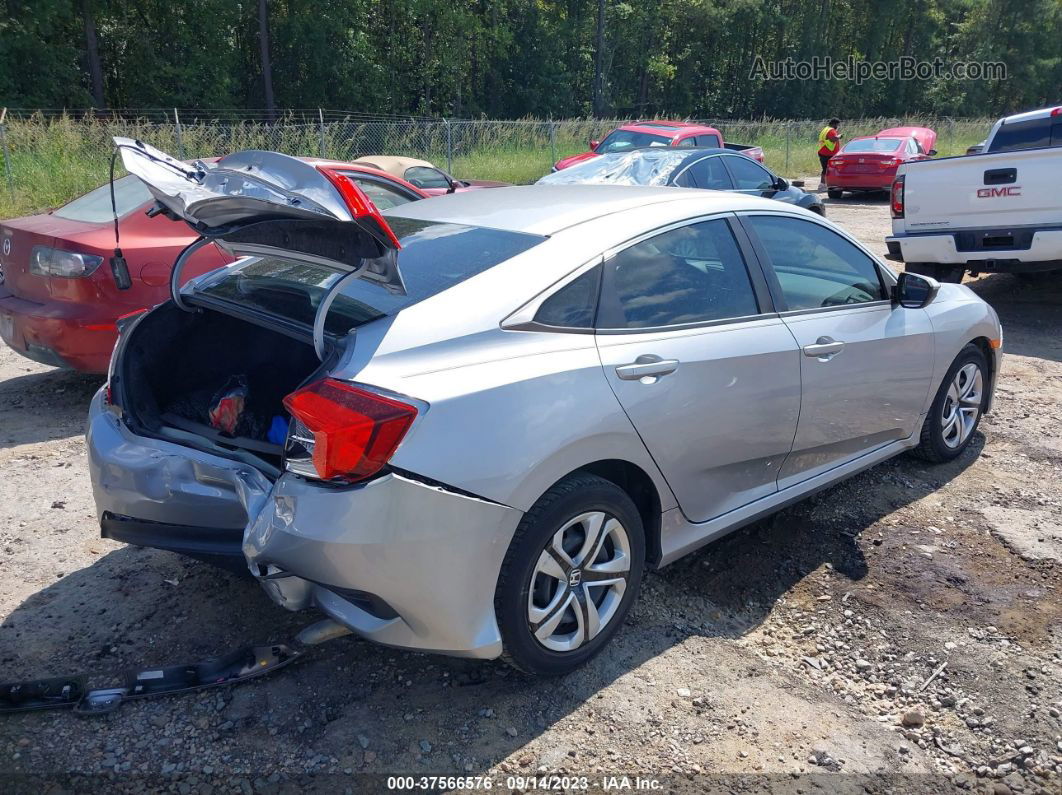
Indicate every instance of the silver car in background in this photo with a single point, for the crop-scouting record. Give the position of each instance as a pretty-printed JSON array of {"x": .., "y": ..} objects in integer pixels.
[{"x": 470, "y": 425}]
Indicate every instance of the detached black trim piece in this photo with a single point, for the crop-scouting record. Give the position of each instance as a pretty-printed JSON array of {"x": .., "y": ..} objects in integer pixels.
[{"x": 221, "y": 546}]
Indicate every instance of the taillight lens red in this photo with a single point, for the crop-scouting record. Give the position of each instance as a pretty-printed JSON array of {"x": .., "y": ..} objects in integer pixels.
[
  {"x": 355, "y": 432},
  {"x": 896, "y": 202}
]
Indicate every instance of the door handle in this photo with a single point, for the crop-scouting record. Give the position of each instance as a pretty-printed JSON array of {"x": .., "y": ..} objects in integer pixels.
[
  {"x": 825, "y": 348},
  {"x": 647, "y": 366}
]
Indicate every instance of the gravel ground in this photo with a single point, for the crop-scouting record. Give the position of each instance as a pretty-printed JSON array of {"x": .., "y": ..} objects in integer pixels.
[{"x": 900, "y": 631}]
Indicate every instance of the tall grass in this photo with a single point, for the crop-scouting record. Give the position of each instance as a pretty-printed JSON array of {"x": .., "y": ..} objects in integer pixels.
[{"x": 53, "y": 160}]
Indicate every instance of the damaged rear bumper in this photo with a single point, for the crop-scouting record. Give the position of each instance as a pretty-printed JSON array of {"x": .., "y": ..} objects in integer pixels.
[{"x": 398, "y": 561}]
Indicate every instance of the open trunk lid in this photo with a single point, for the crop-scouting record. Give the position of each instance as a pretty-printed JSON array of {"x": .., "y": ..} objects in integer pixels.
[{"x": 266, "y": 204}]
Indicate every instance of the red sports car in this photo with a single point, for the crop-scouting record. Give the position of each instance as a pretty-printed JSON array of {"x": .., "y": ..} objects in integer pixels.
[
  {"x": 641, "y": 134},
  {"x": 870, "y": 163},
  {"x": 60, "y": 294}
]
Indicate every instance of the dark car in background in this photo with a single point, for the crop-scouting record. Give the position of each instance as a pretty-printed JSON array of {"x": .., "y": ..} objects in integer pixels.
[
  {"x": 713, "y": 169},
  {"x": 60, "y": 296}
]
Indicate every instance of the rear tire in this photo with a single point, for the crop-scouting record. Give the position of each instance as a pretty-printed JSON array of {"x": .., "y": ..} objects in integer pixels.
[
  {"x": 572, "y": 571},
  {"x": 957, "y": 408},
  {"x": 834, "y": 193},
  {"x": 945, "y": 274}
]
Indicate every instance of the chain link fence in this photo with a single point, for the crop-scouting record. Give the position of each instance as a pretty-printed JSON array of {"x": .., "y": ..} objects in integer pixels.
[{"x": 51, "y": 158}]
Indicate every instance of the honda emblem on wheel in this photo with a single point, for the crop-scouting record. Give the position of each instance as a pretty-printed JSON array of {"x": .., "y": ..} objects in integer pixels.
[
  {"x": 7, "y": 246},
  {"x": 574, "y": 578}
]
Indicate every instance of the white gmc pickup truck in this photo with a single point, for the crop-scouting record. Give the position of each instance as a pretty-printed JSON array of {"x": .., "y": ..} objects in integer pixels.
[{"x": 996, "y": 211}]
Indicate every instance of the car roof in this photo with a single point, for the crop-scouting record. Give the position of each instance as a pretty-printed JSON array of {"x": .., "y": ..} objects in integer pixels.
[
  {"x": 548, "y": 209},
  {"x": 662, "y": 127},
  {"x": 392, "y": 164},
  {"x": 1040, "y": 113}
]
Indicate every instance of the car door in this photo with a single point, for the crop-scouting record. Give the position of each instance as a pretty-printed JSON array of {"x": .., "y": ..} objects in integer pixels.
[
  {"x": 707, "y": 372},
  {"x": 866, "y": 363}
]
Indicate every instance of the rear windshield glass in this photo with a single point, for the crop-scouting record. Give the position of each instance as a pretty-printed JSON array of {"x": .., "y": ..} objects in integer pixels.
[
  {"x": 622, "y": 140},
  {"x": 872, "y": 145},
  {"x": 433, "y": 258},
  {"x": 95, "y": 206}
]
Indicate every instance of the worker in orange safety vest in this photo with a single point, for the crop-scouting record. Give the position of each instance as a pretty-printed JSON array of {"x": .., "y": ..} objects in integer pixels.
[{"x": 829, "y": 143}]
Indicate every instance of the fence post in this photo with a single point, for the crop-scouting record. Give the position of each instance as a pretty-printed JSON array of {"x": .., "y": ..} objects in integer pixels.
[
  {"x": 552, "y": 143},
  {"x": 320, "y": 116},
  {"x": 788, "y": 128},
  {"x": 7, "y": 156},
  {"x": 449, "y": 148},
  {"x": 180, "y": 140}
]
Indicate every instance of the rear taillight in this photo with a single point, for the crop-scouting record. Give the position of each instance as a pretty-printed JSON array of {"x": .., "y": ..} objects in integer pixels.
[
  {"x": 896, "y": 203},
  {"x": 361, "y": 206},
  {"x": 346, "y": 432},
  {"x": 48, "y": 261},
  {"x": 889, "y": 163}
]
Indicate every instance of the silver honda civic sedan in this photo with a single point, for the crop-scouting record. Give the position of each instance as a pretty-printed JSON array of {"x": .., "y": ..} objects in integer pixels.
[{"x": 470, "y": 425}]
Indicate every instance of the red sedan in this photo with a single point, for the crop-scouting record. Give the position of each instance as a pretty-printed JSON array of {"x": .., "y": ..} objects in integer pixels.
[
  {"x": 870, "y": 163},
  {"x": 60, "y": 295}
]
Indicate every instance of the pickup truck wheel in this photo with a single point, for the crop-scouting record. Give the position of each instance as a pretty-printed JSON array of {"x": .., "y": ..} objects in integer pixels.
[
  {"x": 570, "y": 576},
  {"x": 834, "y": 193},
  {"x": 956, "y": 411}
]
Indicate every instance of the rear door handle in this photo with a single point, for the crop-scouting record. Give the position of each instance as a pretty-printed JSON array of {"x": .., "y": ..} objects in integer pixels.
[
  {"x": 825, "y": 348},
  {"x": 647, "y": 366}
]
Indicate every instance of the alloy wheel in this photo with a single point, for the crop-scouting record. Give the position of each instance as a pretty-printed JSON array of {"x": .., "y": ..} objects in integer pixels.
[
  {"x": 578, "y": 581},
  {"x": 962, "y": 405}
]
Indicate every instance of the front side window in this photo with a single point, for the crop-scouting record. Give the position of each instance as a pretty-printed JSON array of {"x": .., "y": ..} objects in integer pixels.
[
  {"x": 383, "y": 196},
  {"x": 692, "y": 274},
  {"x": 95, "y": 206},
  {"x": 749, "y": 175},
  {"x": 815, "y": 267},
  {"x": 426, "y": 177}
]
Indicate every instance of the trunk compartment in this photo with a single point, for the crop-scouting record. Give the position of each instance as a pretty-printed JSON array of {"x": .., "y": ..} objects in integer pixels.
[{"x": 175, "y": 365}]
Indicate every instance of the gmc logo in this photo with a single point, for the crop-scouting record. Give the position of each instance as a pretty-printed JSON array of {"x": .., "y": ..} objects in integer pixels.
[{"x": 989, "y": 193}]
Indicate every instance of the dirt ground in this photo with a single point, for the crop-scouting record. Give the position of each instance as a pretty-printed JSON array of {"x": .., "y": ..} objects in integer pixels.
[{"x": 901, "y": 631}]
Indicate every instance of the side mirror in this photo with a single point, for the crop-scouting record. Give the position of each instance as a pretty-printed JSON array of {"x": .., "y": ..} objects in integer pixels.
[
  {"x": 594, "y": 145},
  {"x": 914, "y": 291},
  {"x": 932, "y": 153},
  {"x": 781, "y": 184}
]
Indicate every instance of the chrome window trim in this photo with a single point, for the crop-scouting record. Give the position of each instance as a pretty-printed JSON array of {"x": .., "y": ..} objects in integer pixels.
[{"x": 726, "y": 321}]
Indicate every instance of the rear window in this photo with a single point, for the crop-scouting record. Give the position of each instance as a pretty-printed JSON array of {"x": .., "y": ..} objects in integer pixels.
[
  {"x": 434, "y": 257},
  {"x": 1032, "y": 134},
  {"x": 873, "y": 145},
  {"x": 95, "y": 206}
]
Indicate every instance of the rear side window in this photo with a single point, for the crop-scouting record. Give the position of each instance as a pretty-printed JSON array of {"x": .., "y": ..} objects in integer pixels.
[
  {"x": 816, "y": 268},
  {"x": 692, "y": 274},
  {"x": 434, "y": 257},
  {"x": 709, "y": 140},
  {"x": 95, "y": 206},
  {"x": 573, "y": 305},
  {"x": 1023, "y": 135},
  {"x": 708, "y": 173}
]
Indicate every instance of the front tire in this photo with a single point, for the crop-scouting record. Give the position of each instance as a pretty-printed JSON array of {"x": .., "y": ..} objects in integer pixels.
[
  {"x": 834, "y": 193},
  {"x": 957, "y": 409},
  {"x": 572, "y": 571}
]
